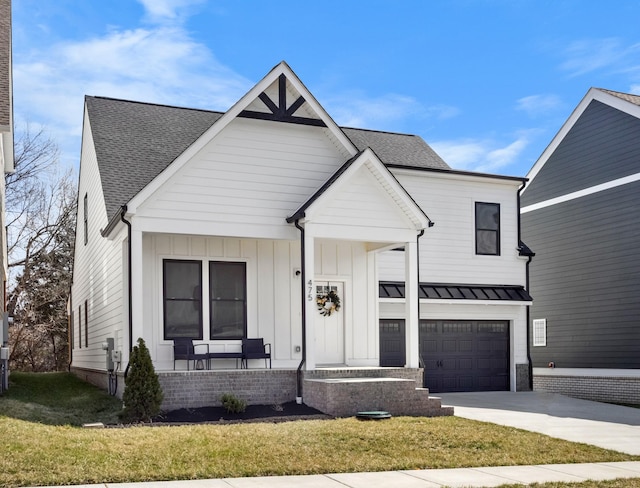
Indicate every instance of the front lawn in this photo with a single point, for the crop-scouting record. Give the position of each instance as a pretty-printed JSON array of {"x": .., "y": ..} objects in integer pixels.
[{"x": 38, "y": 454}]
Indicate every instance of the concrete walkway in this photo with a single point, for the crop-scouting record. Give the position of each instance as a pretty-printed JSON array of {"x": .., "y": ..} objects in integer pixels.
[
  {"x": 599, "y": 424},
  {"x": 608, "y": 426},
  {"x": 427, "y": 478}
]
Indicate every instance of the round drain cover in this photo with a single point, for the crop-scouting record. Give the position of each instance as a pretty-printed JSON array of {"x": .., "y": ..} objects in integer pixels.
[{"x": 374, "y": 415}]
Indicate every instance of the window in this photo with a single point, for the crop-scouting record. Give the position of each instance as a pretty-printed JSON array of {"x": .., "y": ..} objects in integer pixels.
[
  {"x": 488, "y": 228},
  {"x": 86, "y": 323},
  {"x": 80, "y": 327},
  {"x": 86, "y": 219},
  {"x": 71, "y": 331},
  {"x": 540, "y": 332},
  {"x": 182, "y": 297},
  {"x": 228, "y": 300}
]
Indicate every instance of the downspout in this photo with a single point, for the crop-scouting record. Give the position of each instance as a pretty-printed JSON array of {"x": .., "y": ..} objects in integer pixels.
[
  {"x": 123, "y": 211},
  {"x": 304, "y": 313},
  {"x": 529, "y": 258}
]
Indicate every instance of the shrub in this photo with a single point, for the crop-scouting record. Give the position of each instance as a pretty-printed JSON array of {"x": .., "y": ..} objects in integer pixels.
[
  {"x": 233, "y": 404},
  {"x": 142, "y": 393}
]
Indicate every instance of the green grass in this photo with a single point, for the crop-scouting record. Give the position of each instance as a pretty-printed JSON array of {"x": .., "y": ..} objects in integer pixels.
[
  {"x": 37, "y": 452},
  {"x": 57, "y": 399}
]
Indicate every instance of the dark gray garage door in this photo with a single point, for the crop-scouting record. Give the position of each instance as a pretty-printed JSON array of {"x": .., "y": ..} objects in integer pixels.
[
  {"x": 392, "y": 345},
  {"x": 462, "y": 355}
]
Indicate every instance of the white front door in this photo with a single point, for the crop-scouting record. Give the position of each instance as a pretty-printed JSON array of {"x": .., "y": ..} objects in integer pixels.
[{"x": 329, "y": 323}]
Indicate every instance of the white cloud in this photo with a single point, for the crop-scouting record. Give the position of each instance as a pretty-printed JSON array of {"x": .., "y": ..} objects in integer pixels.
[
  {"x": 160, "y": 65},
  {"x": 482, "y": 155},
  {"x": 383, "y": 113},
  {"x": 163, "y": 10},
  {"x": 586, "y": 56},
  {"x": 635, "y": 89},
  {"x": 537, "y": 105}
]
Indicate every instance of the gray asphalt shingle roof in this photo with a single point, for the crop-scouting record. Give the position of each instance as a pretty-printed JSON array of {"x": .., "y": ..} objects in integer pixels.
[
  {"x": 136, "y": 141},
  {"x": 635, "y": 99}
]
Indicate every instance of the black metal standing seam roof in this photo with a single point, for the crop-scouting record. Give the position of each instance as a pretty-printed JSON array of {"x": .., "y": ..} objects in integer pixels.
[
  {"x": 450, "y": 291},
  {"x": 136, "y": 141}
]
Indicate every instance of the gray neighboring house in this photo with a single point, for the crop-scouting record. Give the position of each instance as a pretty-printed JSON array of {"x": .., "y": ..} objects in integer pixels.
[{"x": 580, "y": 213}]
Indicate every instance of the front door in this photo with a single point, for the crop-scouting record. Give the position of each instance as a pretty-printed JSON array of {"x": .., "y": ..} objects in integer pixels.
[{"x": 329, "y": 322}]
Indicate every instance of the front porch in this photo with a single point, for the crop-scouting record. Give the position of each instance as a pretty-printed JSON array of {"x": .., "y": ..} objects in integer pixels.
[{"x": 339, "y": 391}]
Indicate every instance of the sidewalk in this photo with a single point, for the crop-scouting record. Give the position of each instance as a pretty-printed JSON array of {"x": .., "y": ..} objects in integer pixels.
[{"x": 426, "y": 478}]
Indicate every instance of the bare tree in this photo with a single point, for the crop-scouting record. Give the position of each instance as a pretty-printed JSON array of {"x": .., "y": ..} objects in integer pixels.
[{"x": 41, "y": 212}]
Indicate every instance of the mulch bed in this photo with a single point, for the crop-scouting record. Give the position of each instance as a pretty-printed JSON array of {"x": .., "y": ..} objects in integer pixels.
[{"x": 254, "y": 413}]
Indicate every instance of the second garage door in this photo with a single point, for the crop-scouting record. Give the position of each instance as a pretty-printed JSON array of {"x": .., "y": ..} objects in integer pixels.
[{"x": 461, "y": 355}]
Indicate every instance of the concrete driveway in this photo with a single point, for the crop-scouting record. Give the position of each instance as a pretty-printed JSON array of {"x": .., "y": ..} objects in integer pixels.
[{"x": 600, "y": 424}]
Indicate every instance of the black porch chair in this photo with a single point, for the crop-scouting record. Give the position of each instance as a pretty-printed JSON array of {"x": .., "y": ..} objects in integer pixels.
[
  {"x": 255, "y": 349},
  {"x": 185, "y": 350}
]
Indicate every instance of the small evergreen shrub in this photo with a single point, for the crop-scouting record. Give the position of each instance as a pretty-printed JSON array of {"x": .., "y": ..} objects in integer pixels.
[
  {"x": 142, "y": 395},
  {"x": 233, "y": 404}
]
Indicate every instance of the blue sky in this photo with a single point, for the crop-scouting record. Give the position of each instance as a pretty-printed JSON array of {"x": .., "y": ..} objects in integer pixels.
[{"x": 487, "y": 83}]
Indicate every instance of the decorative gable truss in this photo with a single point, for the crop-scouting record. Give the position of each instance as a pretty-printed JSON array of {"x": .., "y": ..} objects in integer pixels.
[{"x": 281, "y": 112}]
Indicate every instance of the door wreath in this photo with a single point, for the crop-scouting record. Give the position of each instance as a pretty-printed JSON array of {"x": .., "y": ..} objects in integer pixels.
[{"x": 328, "y": 303}]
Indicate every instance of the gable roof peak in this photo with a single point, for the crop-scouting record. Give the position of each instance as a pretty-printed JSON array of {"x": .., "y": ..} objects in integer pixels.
[{"x": 629, "y": 97}]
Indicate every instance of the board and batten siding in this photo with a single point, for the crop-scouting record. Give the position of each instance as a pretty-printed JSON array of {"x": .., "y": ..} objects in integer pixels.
[
  {"x": 585, "y": 279},
  {"x": 97, "y": 272},
  {"x": 603, "y": 145},
  {"x": 273, "y": 292},
  {"x": 245, "y": 182},
  {"x": 447, "y": 250}
]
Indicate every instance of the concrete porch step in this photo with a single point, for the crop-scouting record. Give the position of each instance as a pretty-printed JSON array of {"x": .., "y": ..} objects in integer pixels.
[{"x": 346, "y": 396}]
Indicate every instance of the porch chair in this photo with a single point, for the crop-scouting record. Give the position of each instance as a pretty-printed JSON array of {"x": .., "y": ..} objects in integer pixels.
[
  {"x": 185, "y": 350},
  {"x": 255, "y": 349}
]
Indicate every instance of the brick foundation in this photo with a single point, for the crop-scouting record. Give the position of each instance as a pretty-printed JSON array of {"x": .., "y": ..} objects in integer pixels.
[
  {"x": 599, "y": 388},
  {"x": 195, "y": 389}
]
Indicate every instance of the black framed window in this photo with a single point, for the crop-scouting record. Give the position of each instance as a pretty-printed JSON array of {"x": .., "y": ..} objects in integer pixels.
[
  {"x": 86, "y": 218},
  {"x": 182, "y": 298},
  {"x": 488, "y": 228},
  {"x": 228, "y": 300}
]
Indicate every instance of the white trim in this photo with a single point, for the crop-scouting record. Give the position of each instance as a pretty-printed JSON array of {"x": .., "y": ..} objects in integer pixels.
[
  {"x": 588, "y": 372},
  {"x": 414, "y": 215},
  {"x": 592, "y": 94},
  {"x": 582, "y": 193}
]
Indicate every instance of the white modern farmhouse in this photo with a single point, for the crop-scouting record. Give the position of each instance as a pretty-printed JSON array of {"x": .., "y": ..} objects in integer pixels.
[{"x": 364, "y": 264}]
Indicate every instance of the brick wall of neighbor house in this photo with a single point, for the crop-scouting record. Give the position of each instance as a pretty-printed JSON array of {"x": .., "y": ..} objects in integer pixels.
[
  {"x": 624, "y": 390},
  {"x": 196, "y": 389}
]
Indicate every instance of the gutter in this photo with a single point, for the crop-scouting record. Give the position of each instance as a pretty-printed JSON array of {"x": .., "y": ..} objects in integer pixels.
[
  {"x": 304, "y": 314},
  {"x": 123, "y": 211}
]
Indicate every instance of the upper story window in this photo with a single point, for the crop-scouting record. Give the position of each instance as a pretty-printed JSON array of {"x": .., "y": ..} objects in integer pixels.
[
  {"x": 86, "y": 218},
  {"x": 488, "y": 228}
]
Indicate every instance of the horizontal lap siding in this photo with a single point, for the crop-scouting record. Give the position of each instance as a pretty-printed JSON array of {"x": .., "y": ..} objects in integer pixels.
[
  {"x": 97, "y": 278},
  {"x": 254, "y": 172},
  {"x": 585, "y": 279},
  {"x": 362, "y": 202},
  {"x": 603, "y": 145},
  {"x": 447, "y": 250}
]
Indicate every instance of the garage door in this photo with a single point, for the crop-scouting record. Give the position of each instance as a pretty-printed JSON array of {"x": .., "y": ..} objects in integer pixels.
[
  {"x": 392, "y": 345},
  {"x": 460, "y": 355}
]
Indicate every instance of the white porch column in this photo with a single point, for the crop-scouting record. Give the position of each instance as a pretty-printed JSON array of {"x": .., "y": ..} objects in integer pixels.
[
  {"x": 136, "y": 288},
  {"x": 411, "y": 304},
  {"x": 310, "y": 297}
]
